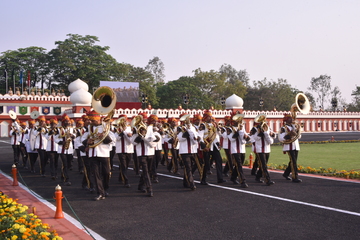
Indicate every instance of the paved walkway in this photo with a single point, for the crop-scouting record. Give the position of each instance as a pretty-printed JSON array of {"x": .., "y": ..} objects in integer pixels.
[{"x": 67, "y": 227}]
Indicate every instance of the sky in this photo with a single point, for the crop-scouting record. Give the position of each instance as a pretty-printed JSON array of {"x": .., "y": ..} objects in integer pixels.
[{"x": 296, "y": 40}]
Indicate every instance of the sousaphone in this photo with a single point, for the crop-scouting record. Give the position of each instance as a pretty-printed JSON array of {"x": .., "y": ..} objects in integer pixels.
[
  {"x": 103, "y": 102},
  {"x": 301, "y": 105},
  {"x": 261, "y": 119}
]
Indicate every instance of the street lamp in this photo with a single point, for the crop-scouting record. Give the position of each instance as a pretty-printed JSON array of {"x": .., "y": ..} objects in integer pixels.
[
  {"x": 334, "y": 103},
  {"x": 144, "y": 99},
  {"x": 186, "y": 98},
  {"x": 222, "y": 100},
  {"x": 261, "y": 103}
]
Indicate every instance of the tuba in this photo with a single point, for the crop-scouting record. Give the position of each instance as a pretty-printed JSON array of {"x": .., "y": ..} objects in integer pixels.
[
  {"x": 137, "y": 122},
  {"x": 120, "y": 124},
  {"x": 239, "y": 119},
  {"x": 103, "y": 102},
  {"x": 301, "y": 105}
]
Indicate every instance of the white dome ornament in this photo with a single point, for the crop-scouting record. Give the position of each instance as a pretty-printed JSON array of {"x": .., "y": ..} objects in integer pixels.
[
  {"x": 78, "y": 84},
  {"x": 234, "y": 102},
  {"x": 81, "y": 97}
]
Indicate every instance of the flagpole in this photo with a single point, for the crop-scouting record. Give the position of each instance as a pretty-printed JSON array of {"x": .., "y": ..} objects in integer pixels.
[
  {"x": 14, "y": 83},
  {"x": 6, "y": 80}
]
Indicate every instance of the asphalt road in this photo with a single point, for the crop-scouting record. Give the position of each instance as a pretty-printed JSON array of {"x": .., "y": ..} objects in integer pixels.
[{"x": 314, "y": 209}]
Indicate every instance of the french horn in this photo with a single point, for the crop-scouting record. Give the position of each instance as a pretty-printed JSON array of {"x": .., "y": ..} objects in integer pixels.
[{"x": 103, "y": 102}]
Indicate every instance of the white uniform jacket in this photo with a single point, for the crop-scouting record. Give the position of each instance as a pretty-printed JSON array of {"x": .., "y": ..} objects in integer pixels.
[
  {"x": 124, "y": 143},
  {"x": 29, "y": 140},
  {"x": 41, "y": 140},
  {"x": 147, "y": 146},
  {"x": 15, "y": 136},
  {"x": 289, "y": 146},
  {"x": 188, "y": 145},
  {"x": 52, "y": 146},
  {"x": 237, "y": 144},
  {"x": 262, "y": 144},
  {"x": 59, "y": 138},
  {"x": 158, "y": 145},
  {"x": 102, "y": 150}
]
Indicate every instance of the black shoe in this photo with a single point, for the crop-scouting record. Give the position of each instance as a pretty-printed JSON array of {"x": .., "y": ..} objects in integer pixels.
[
  {"x": 222, "y": 181},
  {"x": 244, "y": 185},
  {"x": 100, "y": 197},
  {"x": 151, "y": 194},
  {"x": 270, "y": 183},
  {"x": 53, "y": 178},
  {"x": 286, "y": 177},
  {"x": 106, "y": 194},
  {"x": 235, "y": 181},
  {"x": 226, "y": 174},
  {"x": 253, "y": 173},
  {"x": 127, "y": 185},
  {"x": 156, "y": 181},
  {"x": 67, "y": 183},
  {"x": 91, "y": 190},
  {"x": 42, "y": 175},
  {"x": 193, "y": 188},
  {"x": 209, "y": 172},
  {"x": 142, "y": 189},
  {"x": 204, "y": 183},
  {"x": 258, "y": 180},
  {"x": 297, "y": 180}
]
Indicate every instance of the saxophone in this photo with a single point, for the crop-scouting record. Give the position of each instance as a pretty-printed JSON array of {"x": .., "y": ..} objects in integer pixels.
[{"x": 68, "y": 138}]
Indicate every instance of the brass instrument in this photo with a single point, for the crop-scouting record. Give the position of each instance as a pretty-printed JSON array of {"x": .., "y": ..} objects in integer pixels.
[
  {"x": 66, "y": 133},
  {"x": 137, "y": 122},
  {"x": 261, "y": 119},
  {"x": 120, "y": 124},
  {"x": 210, "y": 135},
  {"x": 187, "y": 122},
  {"x": 301, "y": 105},
  {"x": 171, "y": 133},
  {"x": 103, "y": 102}
]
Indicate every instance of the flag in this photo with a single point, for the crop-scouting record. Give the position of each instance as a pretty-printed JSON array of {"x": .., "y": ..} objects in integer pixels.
[
  {"x": 21, "y": 76},
  {"x": 28, "y": 79}
]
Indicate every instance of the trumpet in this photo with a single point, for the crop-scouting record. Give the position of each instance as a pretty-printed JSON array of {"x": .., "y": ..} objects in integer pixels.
[
  {"x": 68, "y": 138},
  {"x": 171, "y": 134}
]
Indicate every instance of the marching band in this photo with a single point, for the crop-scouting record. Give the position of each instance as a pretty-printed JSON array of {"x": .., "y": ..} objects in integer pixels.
[{"x": 193, "y": 142}]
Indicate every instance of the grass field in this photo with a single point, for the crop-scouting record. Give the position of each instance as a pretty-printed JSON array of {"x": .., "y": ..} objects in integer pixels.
[{"x": 340, "y": 156}]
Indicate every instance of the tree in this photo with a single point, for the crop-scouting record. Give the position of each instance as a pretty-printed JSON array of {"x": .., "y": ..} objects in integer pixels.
[
  {"x": 31, "y": 59},
  {"x": 279, "y": 95},
  {"x": 156, "y": 68},
  {"x": 354, "y": 106},
  {"x": 322, "y": 87},
  {"x": 79, "y": 57},
  {"x": 146, "y": 83}
]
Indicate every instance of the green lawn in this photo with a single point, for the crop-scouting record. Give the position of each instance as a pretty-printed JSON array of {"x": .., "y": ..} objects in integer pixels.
[{"x": 340, "y": 156}]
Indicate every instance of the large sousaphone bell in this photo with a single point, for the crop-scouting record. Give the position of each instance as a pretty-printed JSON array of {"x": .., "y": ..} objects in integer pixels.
[
  {"x": 301, "y": 104},
  {"x": 103, "y": 102},
  {"x": 12, "y": 115}
]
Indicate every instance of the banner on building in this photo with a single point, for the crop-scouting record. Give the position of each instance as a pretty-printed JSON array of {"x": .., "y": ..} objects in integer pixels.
[
  {"x": 57, "y": 110},
  {"x": 11, "y": 108},
  {"x": 23, "y": 110},
  {"x": 34, "y": 109},
  {"x": 45, "y": 110}
]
